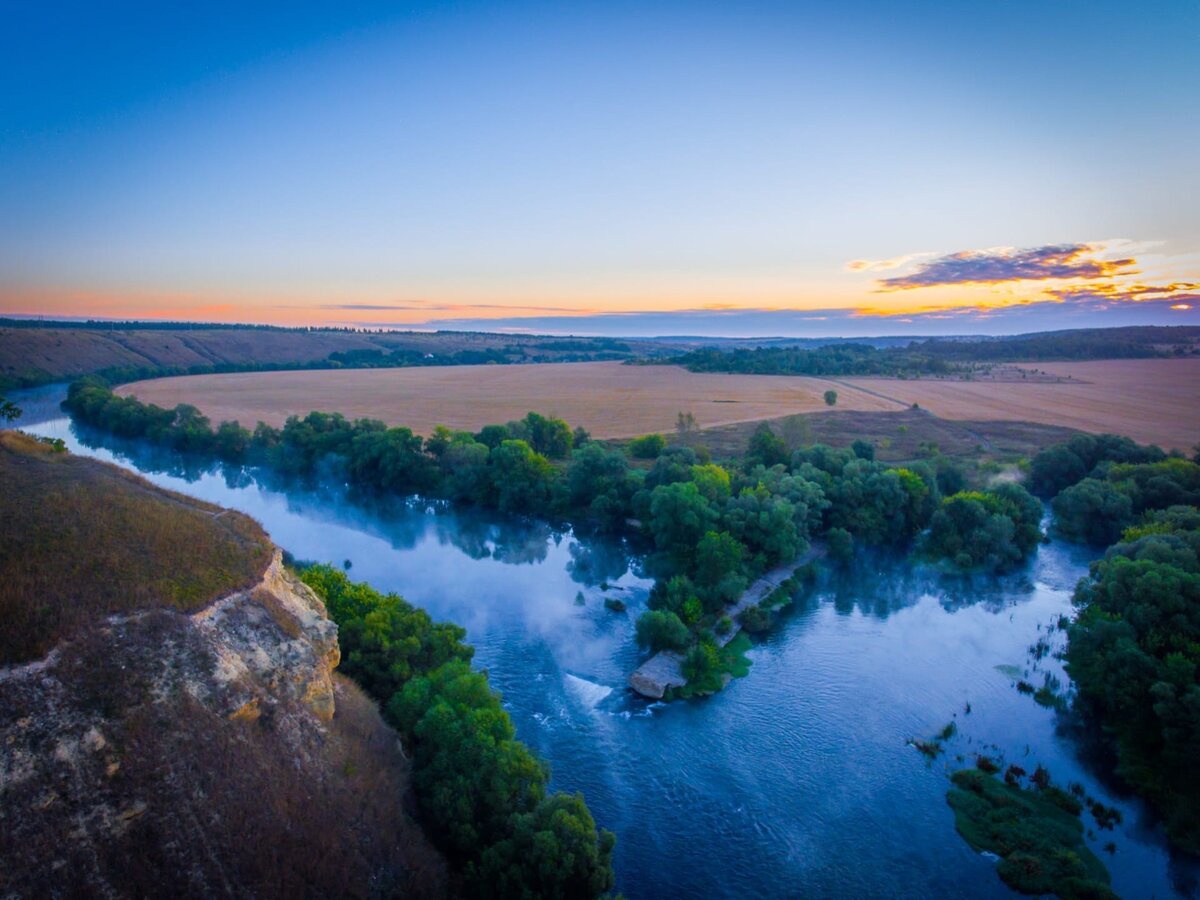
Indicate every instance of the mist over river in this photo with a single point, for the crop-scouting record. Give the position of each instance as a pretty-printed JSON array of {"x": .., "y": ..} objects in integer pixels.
[{"x": 797, "y": 780}]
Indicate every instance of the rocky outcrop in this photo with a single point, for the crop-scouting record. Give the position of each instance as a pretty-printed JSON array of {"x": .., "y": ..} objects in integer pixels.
[
  {"x": 662, "y": 671},
  {"x": 162, "y": 753},
  {"x": 272, "y": 643}
]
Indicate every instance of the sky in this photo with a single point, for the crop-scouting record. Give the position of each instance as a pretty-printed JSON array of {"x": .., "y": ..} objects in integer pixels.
[{"x": 735, "y": 168}]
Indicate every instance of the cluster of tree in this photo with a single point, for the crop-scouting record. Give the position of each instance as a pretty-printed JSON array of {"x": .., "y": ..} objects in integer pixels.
[
  {"x": 940, "y": 356},
  {"x": 713, "y": 528},
  {"x": 1062, "y": 465},
  {"x": 1134, "y": 654},
  {"x": 832, "y": 359},
  {"x": 1133, "y": 342},
  {"x": 1134, "y": 649},
  {"x": 481, "y": 793},
  {"x": 1101, "y": 484},
  {"x": 989, "y": 531},
  {"x": 507, "y": 467}
]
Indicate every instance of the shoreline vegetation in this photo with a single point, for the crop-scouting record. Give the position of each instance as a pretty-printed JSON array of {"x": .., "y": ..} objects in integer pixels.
[
  {"x": 709, "y": 528},
  {"x": 1133, "y": 650},
  {"x": 481, "y": 793}
]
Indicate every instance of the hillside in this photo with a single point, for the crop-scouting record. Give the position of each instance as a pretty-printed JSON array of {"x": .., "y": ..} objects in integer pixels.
[
  {"x": 82, "y": 541},
  {"x": 171, "y": 745},
  {"x": 31, "y": 354}
]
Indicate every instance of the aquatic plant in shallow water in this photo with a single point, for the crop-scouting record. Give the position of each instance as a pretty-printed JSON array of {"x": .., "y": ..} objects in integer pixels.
[{"x": 1036, "y": 832}]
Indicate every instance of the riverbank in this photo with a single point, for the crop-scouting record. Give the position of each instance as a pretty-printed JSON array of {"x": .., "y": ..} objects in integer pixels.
[{"x": 663, "y": 671}]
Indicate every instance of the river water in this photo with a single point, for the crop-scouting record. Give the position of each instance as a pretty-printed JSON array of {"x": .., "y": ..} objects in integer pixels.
[{"x": 796, "y": 781}]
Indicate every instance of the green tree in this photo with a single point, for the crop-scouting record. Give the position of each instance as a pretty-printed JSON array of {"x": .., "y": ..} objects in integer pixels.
[
  {"x": 661, "y": 630},
  {"x": 673, "y": 594},
  {"x": 552, "y": 852},
  {"x": 712, "y": 481},
  {"x": 841, "y": 546},
  {"x": 830, "y": 398},
  {"x": 648, "y": 446},
  {"x": 599, "y": 481},
  {"x": 679, "y": 518},
  {"x": 9, "y": 411},
  {"x": 391, "y": 460},
  {"x": 766, "y": 447},
  {"x": 231, "y": 441},
  {"x": 1134, "y": 655},
  {"x": 685, "y": 423},
  {"x": 1092, "y": 511},
  {"x": 548, "y": 436},
  {"x": 521, "y": 478}
]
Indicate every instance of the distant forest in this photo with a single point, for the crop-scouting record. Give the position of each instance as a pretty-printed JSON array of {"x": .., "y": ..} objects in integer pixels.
[{"x": 946, "y": 356}]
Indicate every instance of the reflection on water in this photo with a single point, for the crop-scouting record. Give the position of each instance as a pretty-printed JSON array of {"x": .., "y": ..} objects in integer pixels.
[{"x": 797, "y": 780}]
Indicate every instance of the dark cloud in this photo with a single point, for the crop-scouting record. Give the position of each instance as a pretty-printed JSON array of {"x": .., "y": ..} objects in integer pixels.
[
  {"x": 1000, "y": 266},
  {"x": 1177, "y": 292}
]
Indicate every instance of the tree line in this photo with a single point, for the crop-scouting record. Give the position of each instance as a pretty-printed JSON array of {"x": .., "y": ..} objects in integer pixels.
[
  {"x": 1134, "y": 648},
  {"x": 933, "y": 357},
  {"x": 711, "y": 528},
  {"x": 481, "y": 793}
]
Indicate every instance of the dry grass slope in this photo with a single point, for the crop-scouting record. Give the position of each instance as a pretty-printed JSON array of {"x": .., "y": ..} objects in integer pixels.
[
  {"x": 41, "y": 354},
  {"x": 80, "y": 540},
  {"x": 900, "y": 436}
]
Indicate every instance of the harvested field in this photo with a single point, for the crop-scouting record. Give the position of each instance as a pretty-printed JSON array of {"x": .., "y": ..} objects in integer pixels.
[
  {"x": 1156, "y": 400},
  {"x": 1151, "y": 400},
  {"x": 607, "y": 398}
]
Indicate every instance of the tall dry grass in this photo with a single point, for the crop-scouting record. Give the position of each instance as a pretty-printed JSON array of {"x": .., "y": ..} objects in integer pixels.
[{"x": 81, "y": 540}]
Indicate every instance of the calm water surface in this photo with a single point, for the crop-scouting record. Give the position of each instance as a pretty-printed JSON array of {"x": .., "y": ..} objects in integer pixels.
[{"x": 796, "y": 781}]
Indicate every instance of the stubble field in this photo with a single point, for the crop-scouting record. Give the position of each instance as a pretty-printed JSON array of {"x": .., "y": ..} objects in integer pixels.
[{"x": 1150, "y": 400}]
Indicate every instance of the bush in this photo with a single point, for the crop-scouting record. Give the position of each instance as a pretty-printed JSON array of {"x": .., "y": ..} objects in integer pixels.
[
  {"x": 992, "y": 531},
  {"x": 662, "y": 630},
  {"x": 648, "y": 446},
  {"x": 1092, "y": 511}
]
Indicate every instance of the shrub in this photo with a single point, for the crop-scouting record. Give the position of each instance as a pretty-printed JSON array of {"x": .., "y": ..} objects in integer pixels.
[
  {"x": 649, "y": 446},
  {"x": 661, "y": 630}
]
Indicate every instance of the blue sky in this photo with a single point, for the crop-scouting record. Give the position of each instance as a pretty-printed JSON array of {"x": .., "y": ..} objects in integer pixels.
[{"x": 811, "y": 169}]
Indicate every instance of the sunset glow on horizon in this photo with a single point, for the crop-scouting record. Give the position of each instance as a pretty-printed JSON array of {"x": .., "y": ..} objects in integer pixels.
[{"x": 679, "y": 168}]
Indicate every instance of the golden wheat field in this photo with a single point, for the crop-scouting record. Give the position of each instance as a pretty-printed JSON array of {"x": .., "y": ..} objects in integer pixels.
[{"x": 1150, "y": 400}]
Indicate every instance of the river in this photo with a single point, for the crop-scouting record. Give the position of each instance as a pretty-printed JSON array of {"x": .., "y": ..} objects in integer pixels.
[{"x": 796, "y": 781}]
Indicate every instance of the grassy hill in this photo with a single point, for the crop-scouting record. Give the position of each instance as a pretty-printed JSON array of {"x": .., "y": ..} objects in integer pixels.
[
  {"x": 166, "y": 754},
  {"x": 33, "y": 354},
  {"x": 81, "y": 540}
]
